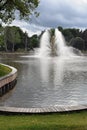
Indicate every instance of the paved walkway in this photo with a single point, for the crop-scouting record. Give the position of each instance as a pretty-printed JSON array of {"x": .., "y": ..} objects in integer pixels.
[{"x": 43, "y": 110}]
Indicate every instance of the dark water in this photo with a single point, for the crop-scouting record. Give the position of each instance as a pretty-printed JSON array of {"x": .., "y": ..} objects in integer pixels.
[{"x": 47, "y": 82}]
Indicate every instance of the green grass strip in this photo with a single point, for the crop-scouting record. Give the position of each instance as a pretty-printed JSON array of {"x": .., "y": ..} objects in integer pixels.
[
  {"x": 58, "y": 121},
  {"x": 4, "y": 70}
]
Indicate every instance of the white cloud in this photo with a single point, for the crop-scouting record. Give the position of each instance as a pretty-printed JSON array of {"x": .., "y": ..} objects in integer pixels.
[
  {"x": 54, "y": 13},
  {"x": 63, "y": 12},
  {"x": 31, "y": 29}
]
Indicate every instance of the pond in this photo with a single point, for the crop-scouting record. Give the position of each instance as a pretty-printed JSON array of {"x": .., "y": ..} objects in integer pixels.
[{"x": 44, "y": 82}]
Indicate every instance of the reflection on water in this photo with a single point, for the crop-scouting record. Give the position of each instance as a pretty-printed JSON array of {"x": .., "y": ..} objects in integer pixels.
[
  {"x": 47, "y": 82},
  {"x": 52, "y": 69}
]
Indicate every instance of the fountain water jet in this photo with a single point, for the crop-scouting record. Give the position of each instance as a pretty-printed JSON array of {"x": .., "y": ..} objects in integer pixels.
[
  {"x": 44, "y": 44},
  {"x": 62, "y": 49},
  {"x": 55, "y": 45}
]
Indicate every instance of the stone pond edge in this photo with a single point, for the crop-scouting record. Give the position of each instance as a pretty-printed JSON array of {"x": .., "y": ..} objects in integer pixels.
[{"x": 8, "y": 81}]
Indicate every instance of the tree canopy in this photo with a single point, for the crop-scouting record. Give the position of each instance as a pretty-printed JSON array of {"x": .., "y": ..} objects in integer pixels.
[
  {"x": 12, "y": 39},
  {"x": 77, "y": 43},
  {"x": 23, "y": 8}
]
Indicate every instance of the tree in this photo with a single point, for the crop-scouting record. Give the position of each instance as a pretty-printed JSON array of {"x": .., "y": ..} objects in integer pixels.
[
  {"x": 77, "y": 43},
  {"x": 26, "y": 40},
  {"x": 84, "y": 36},
  {"x": 60, "y": 28},
  {"x": 6, "y": 32},
  {"x": 67, "y": 34},
  {"x": 75, "y": 32},
  {"x": 1, "y": 38},
  {"x": 15, "y": 37},
  {"x": 11, "y": 38},
  {"x": 34, "y": 42},
  {"x": 24, "y": 9},
  {"x": 1, "y": 42}
]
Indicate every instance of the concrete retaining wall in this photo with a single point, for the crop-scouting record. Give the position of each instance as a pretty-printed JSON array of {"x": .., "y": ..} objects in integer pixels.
[{"x": 8, "y": 82}]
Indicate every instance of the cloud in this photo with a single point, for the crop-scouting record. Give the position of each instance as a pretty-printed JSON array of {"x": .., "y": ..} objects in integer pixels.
[
  {"x": 65, "y": 13},
  {"x": 31, "y": 29},
  {"x": 54, "y": 13}
]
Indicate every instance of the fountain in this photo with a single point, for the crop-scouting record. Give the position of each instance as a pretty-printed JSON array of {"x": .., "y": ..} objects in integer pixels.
[
  {"x": 45, "y": 44},
  {"x": 55, "y": 45},
  {"x": 54, "y": 84}
]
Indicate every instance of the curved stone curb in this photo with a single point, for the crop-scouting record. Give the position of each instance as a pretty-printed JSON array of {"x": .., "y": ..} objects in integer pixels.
[
  {"x": 42, "y": 110},
  {"x": 8, "y": 81}
]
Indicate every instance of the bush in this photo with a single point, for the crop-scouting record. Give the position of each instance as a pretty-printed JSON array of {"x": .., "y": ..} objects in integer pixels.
[{"x": 77, "y": 43}]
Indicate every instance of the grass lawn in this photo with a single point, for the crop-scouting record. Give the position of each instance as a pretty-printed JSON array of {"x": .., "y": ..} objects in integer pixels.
[
  {"x": 56, "y": 121},
  {"x": 4, "y": 70}
]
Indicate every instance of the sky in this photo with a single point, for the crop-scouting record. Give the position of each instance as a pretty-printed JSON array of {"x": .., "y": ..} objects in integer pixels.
[{"x": 54, "y": 13}]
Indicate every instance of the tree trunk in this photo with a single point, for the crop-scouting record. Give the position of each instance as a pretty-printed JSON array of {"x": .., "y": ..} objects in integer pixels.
[
  {"x": 13, "y": 47},
  {"x": 26, "y": 43},
  {"x": 5, "y": 42}
]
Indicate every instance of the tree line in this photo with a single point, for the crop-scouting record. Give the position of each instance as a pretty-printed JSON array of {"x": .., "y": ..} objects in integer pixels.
[{"x": 14, "y": 39}]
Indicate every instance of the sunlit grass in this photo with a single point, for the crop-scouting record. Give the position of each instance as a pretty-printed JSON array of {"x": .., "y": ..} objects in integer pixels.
[
  {"x": 57, "y": 121},
  {"x": 4, "y": 70}
]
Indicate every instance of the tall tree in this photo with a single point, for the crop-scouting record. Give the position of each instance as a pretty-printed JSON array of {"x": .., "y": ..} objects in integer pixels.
[
  {"x": 1, "y": 38},
  {"x": 84, "y": 36},
  {"x": 77, "y": 43},
  {"x": 6, "y": 34},
  {"x": 24, "y": 9},
  {"x": 34, "y": 42},
  {"x": 14, "y": 37},
  {"x": 11, "y": 37},
  {"x": 26, "y": 40}
]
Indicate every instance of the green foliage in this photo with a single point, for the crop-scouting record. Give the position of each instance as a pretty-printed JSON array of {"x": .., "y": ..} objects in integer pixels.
[
  {"x": 1, "y": 42},
  {"x": 84, "y": 36},
  {"x": 60, "y": 28},
  {"x": 26, "y": 40},
  {"x": 34, "y": 42},
  {"x": 1, "y": 38},
  {"x": 24, "y": 9},
  {"x": 15, "y": 36},
  {"x": 11, "y": 37},
  {"x": 77, "y": 43},
  {"x": 75, "y": 37},
  {"x": 70, "y": 33},
  {"x": 4, "y": 70},
  {"x": 52, "y": 32}
]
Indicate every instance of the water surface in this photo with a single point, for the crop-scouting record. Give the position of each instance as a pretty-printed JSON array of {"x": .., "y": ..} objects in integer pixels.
[{"x": 44, "y": 82}]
